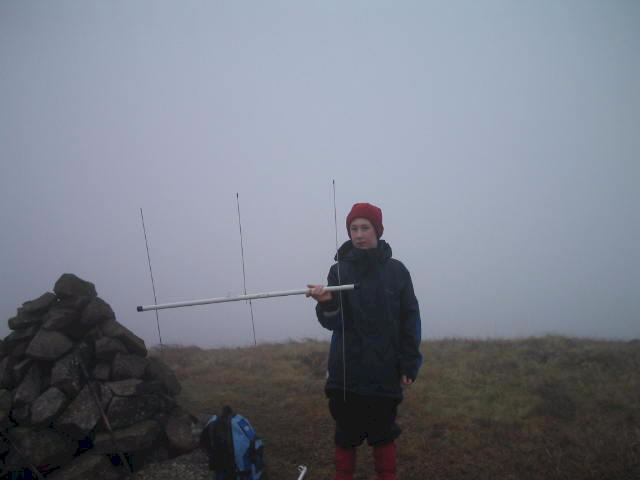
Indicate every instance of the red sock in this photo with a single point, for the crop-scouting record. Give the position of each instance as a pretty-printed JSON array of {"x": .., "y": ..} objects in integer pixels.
[
  {"x": 345, "y": 463},
  {"x": 385, "y": 459}
]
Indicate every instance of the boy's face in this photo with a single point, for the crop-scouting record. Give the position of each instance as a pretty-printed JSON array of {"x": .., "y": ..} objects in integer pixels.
[{"x": 362, "y": 233}]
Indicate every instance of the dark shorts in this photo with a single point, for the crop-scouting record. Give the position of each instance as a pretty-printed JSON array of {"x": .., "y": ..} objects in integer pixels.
[{"x": 360, "y": 417}]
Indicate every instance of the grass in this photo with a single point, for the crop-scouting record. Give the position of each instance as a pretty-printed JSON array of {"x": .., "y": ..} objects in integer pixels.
[{"x": 536, "y": 408}]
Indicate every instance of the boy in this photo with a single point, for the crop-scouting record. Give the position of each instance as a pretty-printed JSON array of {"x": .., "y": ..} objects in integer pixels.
[{"x": 375, "y": 342}]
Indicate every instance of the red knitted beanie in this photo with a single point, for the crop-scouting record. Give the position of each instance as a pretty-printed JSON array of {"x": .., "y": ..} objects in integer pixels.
[{"x": 368, "y": 211}]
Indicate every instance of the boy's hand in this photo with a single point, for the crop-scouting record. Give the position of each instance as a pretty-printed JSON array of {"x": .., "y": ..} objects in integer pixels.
[
  {"x": 406, "y": 381},
  {"x": 319, "y": 293}
]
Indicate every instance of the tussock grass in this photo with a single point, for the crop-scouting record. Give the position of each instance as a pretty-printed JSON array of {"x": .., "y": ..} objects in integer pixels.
[{"x": 546, "y": 407}]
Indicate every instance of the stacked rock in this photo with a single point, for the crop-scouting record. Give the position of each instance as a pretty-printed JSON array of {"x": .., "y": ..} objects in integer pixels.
[{"x": 78, "y": 393}]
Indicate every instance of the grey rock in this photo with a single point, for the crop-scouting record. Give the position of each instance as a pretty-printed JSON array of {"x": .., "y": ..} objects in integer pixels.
[
  {"x": 21, "y": 414},
  {"x": 153, "y": 387},
  {"x": 40, "y": 304},
  {"x": 125, "y": 388},
  {"x": 20, "y": 349},
  {"x": 46, "y": 378},
  {"x": 20, "y": 335},
  {"x": 69, "y": 285},
  {"x": 112, "y": 328},
  {"x": 30, "y": 387},
  {"x": 169, "y": 405},
  {"x": 87, "y": 465},
  {"x": 20, "y": 369},
  {"x": 5, "y": 403},
  {"x": 47, "y": 406},
  {"x": 78, "y": 331},
  {"x": 48, "y": 345},
  {"x": 128, "y": 366},
  {"x": 93, "y": 334},
  {"x": 134, "y": 386},
  {"x": 74, "y": 303},
  {"x": 126, "y": 411},
  {"x": 6, "y": 372},
  {"x": 158, "y": 370},
  {"x": 80, "y": 416},
  {"x": 182, "y": 430},
  {"x": 106, "y": 348},
  {"x": 24, "y": 320},
  {"x": 4, "y": 447},
  {"x": 67, "y": 373},
  {"x": 102, "y": 372},
  {"x": 84, "y": 351},
  {"x": 40, "y": 447},
  {"x": 59, "y": 318},
  {"x": 130, "y": 439},
  {"x": 105, "y": 393},
  {"x": 97, "y": 311}
]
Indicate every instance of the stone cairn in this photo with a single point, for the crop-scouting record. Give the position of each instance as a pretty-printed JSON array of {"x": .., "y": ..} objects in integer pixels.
[{"x": 79, "y": 397}]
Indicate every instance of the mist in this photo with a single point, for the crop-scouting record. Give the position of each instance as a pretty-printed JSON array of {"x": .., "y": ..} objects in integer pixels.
[{"x": 500, "y": 139}]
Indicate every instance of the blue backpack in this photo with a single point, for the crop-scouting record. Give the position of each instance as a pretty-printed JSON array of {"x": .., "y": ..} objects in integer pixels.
[{"x": 233, "y": 448}]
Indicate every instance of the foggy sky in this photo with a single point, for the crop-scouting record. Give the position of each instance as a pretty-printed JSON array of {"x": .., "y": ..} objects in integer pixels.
[{"x": 501, "y": 140}]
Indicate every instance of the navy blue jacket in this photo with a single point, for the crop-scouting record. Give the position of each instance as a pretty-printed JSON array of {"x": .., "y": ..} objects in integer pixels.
[{"x": 382, "y": 330}]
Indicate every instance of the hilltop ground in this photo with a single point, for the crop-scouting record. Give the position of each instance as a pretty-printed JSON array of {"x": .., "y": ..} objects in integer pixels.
[{"x": 535, "y": 408}]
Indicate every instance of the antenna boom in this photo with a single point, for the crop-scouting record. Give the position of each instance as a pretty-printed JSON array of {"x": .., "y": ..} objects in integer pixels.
[{"x": 205, "y": 301}]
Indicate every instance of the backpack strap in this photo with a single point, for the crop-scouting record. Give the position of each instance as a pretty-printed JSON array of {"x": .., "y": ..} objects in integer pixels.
[{"x": 221, "y": 442}]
